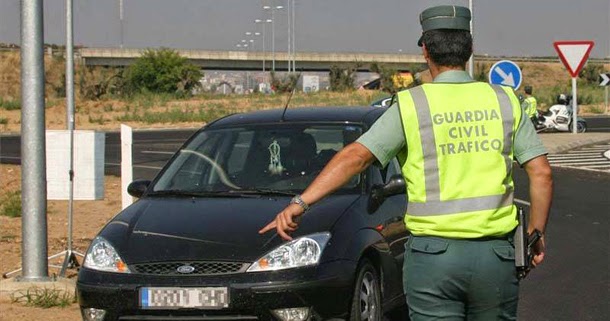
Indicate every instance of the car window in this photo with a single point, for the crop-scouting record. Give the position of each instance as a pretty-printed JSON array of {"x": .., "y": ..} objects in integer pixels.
[
  {"x": 283, "y": 157},
  {"x": 188, "y": 169},
  {"x": 239, "y": 151}
]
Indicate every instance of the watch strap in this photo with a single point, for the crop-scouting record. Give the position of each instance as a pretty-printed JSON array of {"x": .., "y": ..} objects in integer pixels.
[{"x": 299, "y": 201}]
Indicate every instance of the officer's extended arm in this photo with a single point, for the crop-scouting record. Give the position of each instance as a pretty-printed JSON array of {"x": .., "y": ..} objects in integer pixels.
[{"x": 351, "y": 160}]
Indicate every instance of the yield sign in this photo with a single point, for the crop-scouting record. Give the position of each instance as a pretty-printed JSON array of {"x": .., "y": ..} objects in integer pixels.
[{"x": 573, "y": 54}]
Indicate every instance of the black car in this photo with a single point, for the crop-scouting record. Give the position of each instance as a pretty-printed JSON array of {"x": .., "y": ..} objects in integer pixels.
[{"x": 189, "y": 248}]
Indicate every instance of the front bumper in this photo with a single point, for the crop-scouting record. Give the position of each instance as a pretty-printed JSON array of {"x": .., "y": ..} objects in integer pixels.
[{"x": 326, "y": 289}]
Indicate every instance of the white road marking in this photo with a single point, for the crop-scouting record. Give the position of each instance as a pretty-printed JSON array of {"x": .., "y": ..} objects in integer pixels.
[
  {"x": 576, "y": 153},
  {"x": 566, "y": 157},
  {"x": 582, "y": 161},
  {"x": 587, "y": 158}
]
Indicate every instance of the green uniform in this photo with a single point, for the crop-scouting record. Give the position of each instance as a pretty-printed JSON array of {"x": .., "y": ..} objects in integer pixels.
[{"x": 459, "y": 262}]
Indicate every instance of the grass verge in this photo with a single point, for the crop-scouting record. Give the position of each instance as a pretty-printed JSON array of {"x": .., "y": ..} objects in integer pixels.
[
  {"x": 10, "y": 104},
  {"x": 10, "y": 204},
  {"x": 43, "y": 298}
]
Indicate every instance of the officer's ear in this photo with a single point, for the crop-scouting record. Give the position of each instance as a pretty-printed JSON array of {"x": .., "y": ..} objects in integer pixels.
[{"x": 425, "y": 53}]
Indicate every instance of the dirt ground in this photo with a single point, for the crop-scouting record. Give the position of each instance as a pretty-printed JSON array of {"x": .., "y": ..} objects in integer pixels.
[{"x": 89, "y": 218}]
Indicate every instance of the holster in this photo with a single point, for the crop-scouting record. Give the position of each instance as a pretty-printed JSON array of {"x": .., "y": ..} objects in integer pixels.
[{"x": 520, "y": 242}]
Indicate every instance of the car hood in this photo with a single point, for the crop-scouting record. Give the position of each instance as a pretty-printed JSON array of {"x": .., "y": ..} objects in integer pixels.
[{"x": 204, "y": 229}]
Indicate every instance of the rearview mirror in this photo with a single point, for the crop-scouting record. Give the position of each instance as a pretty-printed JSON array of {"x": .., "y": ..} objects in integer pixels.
[{"x": 138, "y": 187}]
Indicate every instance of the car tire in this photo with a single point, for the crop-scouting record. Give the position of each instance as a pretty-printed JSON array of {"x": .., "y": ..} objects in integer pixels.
[{"x": 366, "y": 300}]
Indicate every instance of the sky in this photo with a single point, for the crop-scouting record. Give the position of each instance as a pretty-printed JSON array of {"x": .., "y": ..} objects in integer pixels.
[{"x": 501, "y": 28}]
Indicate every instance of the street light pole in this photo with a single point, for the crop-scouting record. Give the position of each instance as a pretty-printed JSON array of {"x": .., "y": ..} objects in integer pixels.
[
  {"x": 272, "y": 38},
  {"x": 121, "y": 21},
  {"x": 289, "y": 12},
  {"x": 272, "y": 8},
  {"x": 294, "y": 52},
  {"x": 33, "y": 177},
  {"x": 264, "y": 23},
  {"x": 471, "y": 60}
]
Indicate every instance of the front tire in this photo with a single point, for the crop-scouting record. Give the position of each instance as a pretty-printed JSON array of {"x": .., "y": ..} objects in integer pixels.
[
  {"x": 581, "y": 126},
  {"x": 366, "y": 300}
]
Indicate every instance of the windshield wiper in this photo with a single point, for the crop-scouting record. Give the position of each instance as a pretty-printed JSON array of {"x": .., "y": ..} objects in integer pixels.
[
  {"x": 184, "y": 193},
  {"x": 262, "y": 191}
]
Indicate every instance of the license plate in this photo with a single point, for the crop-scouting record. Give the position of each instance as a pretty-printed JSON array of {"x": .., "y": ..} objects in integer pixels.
[{"x": 180, "y": 298}]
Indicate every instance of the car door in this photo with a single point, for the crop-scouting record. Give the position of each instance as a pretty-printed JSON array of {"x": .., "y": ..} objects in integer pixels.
[
  {"x": 388, "y": 221},
  {"x": 393, "y": 211}
]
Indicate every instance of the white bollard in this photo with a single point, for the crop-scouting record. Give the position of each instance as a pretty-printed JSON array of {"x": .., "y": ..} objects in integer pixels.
[{"x": 126, "y": 164}]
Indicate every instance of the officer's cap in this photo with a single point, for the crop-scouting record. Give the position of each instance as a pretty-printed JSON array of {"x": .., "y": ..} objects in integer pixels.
[{"x": 444, "y": 17}]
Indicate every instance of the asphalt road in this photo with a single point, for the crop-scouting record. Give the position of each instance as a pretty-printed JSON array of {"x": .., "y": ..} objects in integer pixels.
[
  {"x": 572, "y": 284},
  {"x": 598, "y": 123},
  {"x": 150, "y": 150}
]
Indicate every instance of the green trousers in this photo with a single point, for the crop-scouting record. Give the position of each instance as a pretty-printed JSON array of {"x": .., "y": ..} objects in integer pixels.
[{"x": 449, "y": 279}]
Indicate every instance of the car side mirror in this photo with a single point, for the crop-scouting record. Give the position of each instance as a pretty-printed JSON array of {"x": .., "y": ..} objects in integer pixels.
[
  {"x": 395, "y": 186},
  {"x": 379, "y": 193},
  {"x": 138, "y": 187}
]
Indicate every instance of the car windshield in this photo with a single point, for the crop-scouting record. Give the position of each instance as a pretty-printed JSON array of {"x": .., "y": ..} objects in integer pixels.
[{"x": 267, "y": 159}]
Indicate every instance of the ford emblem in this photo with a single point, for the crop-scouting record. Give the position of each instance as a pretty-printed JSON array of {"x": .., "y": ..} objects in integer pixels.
[{"x": 185, "y": 269}]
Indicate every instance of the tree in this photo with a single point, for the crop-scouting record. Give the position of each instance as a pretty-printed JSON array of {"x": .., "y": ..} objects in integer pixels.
[
  {"x": 386, "y": 77},
  {"x": 590, "y": 73},
  {"x": 342, "y": 78},
  {"x": 162, "y": 71},
  {"x": 284, "y": 84}
]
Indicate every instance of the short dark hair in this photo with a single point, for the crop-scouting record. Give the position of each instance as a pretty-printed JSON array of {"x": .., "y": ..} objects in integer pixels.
[
  {"x": 448, "y": 47},
  {"x": 528, "y": 90}
]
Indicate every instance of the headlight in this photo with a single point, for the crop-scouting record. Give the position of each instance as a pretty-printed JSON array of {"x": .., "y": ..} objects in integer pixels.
[
  {"x": 303, "y": 251},
  {"x": 103, "y": 257}
]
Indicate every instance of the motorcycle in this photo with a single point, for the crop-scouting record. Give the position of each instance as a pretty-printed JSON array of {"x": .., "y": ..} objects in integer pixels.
[{"x": 559, "y": 117}]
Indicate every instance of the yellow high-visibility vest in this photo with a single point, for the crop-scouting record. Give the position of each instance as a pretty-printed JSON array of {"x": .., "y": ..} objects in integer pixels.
[
  {"x": 458, "y": 168},
  {"x": 531, "y": 106}
]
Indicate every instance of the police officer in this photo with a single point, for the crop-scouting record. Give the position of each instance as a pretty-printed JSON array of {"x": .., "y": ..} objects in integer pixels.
[
  {"x": 530, "y": 104},
  {"x": 456, "y": 140}
]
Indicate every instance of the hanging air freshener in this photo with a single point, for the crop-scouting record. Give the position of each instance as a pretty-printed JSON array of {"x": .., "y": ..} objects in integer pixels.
[{"x": 275, "y": 163}]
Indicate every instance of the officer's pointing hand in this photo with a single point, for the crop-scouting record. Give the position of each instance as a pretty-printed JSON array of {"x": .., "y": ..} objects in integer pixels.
[{"x": 285, "y": 222}]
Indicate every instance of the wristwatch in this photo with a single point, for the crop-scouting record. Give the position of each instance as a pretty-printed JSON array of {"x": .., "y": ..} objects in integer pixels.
[{"x": 299, "y": 201}]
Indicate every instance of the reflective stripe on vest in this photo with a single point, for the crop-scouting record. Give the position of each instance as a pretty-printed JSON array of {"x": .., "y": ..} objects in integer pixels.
[{"x": 424, "y": 146}]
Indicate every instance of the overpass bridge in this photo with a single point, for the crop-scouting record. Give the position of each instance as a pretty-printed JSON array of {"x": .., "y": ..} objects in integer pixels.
[{"x": 252, "y": 60}]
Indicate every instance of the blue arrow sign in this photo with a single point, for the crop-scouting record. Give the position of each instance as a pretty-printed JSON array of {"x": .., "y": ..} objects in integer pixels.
[{"x": 507, "y": 73}]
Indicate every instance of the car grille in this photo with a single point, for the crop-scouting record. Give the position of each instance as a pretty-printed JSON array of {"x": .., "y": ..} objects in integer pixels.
[{"x": 200, "y": 268}]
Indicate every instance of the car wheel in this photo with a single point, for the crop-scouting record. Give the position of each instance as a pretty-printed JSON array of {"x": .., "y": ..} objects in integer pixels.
[{"x": 366, "y": 301}]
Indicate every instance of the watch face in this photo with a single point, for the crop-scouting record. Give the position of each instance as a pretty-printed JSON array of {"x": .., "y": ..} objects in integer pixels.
[{"x": 297, "y": 200}]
